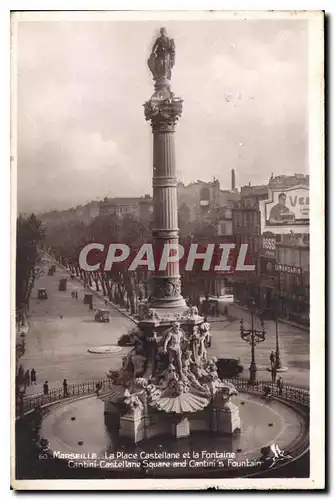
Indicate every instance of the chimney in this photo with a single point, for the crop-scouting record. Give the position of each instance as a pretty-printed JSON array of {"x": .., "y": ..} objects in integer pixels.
[{"x": 233, "y": 186}]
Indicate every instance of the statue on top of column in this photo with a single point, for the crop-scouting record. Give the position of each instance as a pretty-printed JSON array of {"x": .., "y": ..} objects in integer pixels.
[{"x": 162, "y": 57}]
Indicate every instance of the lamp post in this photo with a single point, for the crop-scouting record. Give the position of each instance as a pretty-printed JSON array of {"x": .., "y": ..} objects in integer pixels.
[
  {"x": 253, "y": 337},
  {"x": 279, "y": 366}
]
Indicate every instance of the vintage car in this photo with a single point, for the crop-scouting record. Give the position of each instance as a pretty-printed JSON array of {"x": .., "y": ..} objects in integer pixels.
[
  {"x": 62, "y": 284},
  {"x": 128, "y": 338},
  {"x": 88, "y": 299},
  {"x": 102, "y": 315},
  {"x": 229, "y": 367},
  {"x": 42, "y": 293},
  {"x": 210, "y": 307}
]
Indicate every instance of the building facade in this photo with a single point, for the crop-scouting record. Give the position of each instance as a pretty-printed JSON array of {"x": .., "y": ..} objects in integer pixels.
[
  {"x": 246, "y": 229},
  {"x": 204, "y": 199},
  {"x": 280, "y": 285},
  {"x": 139, "y": 208}
]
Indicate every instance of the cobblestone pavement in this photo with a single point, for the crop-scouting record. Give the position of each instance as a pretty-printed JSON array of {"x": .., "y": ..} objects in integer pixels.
[{"x": 62, "y": 329}]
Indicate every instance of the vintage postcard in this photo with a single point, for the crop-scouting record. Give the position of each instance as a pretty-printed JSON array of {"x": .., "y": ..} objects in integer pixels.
[{"x": 168, "y": 250}]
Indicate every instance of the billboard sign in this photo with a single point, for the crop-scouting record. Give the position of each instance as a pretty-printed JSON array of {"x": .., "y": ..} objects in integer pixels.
[
  {"x": 268, "y": 247},
  {"x": 286, "y": 210}
]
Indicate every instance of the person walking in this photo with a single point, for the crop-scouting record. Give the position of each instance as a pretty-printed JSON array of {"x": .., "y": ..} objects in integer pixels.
[
  {"x": 65, "y": 388},
  {"x": 98, "y": 386},
  {"x": 45, "y": 388},
  {"x": 272, "y": 358},
  {"x": 27, "y": 377},
  {"x": 280, "y": 385},
  {"x": 20, "y": 374},
  {"x": 273, "y": 372},
  {"x": 33, "y": 376}
]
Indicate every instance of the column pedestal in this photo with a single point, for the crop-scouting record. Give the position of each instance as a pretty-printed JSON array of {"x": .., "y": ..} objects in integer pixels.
[
  {"x": 226, "y": 419},
  {"x": 133, "y": 425}
]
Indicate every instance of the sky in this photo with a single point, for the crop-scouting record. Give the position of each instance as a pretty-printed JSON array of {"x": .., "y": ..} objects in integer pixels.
[{"x": 81, "y": 86}]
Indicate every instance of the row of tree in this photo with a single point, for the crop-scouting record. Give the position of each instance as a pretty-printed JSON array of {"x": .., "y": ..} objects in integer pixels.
[
  {"x": 30, "y": 234},
  {"x": 122, "y": 286},
  {"x": 125, "y": 287}
]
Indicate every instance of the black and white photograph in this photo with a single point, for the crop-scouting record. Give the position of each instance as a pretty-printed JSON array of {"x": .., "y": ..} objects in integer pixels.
[{"x": 168, "y": 241}]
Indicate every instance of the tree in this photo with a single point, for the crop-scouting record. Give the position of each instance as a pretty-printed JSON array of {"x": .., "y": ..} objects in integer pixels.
[
  {"x": 202, "y": 232},
  {"x": 29, "y": 235}
]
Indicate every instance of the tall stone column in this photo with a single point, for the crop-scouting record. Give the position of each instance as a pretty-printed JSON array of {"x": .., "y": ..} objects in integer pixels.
[
  {"x": 163, "y": 110},
  {"x": 167, "y": 376}
]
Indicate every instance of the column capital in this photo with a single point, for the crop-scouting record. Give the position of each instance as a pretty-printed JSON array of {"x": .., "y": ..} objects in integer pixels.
[{"x": 163, "y": 113}]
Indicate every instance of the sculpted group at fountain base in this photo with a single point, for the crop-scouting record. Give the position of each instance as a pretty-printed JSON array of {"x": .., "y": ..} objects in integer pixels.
[{"x": 167, "y": 385}]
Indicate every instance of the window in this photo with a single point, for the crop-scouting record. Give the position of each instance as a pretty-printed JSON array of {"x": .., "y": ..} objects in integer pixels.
[
  {"x": 305, "y": 259},
  {"x": 204, "y": 194},
  {"x": 238, "y": 219},
  {"x": 305, "y": 239},
  {"x": 297, "y": 281},
  {"x": 247, "y": 218},
  {"x": 222, "y": 228}
]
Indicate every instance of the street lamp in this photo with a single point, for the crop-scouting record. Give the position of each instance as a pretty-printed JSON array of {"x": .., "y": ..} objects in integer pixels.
[
  {"x": 253, "y": 337},
  {"x": 279, "y": 365}
]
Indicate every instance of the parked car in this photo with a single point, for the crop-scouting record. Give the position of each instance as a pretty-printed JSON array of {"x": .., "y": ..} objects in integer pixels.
[
  {"x": 102, "y": 315},
  {"x": 210, "y": 307},
  {"x": 229, "y": 367},
  {"x": 127, "y": 339}
]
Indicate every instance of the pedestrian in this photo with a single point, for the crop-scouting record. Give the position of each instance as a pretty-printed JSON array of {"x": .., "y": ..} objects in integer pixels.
[
  {"x": 280, "y": 385},
  {"x": 20, "y": 374},
  {"x": 272, "y": 358},
  {"x": 98, "y": 386},
  {"x": 33, "y": 376},
  {"x": 27, "y": 378},
  {"x": 106, "y": 302},
  {"x": 267, "y": 392},
  {"x": 273, "y": 373},
  {"x": 65, "y": 388},
  {"x": 76, "y": 295},
  {"x": 21, "y": 405},
  {"x": 45, "y": 388}
]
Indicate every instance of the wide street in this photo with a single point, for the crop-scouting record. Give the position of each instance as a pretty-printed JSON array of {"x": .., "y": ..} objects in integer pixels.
[
  {"x": 293, "y": 343},
  {"x": 62, "y": 329}
]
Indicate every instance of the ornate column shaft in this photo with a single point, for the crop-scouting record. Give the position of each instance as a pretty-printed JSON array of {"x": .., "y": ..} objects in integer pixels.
[
  {"x": 163, "y": 110},
  {"x": 163, "y": 114}
]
